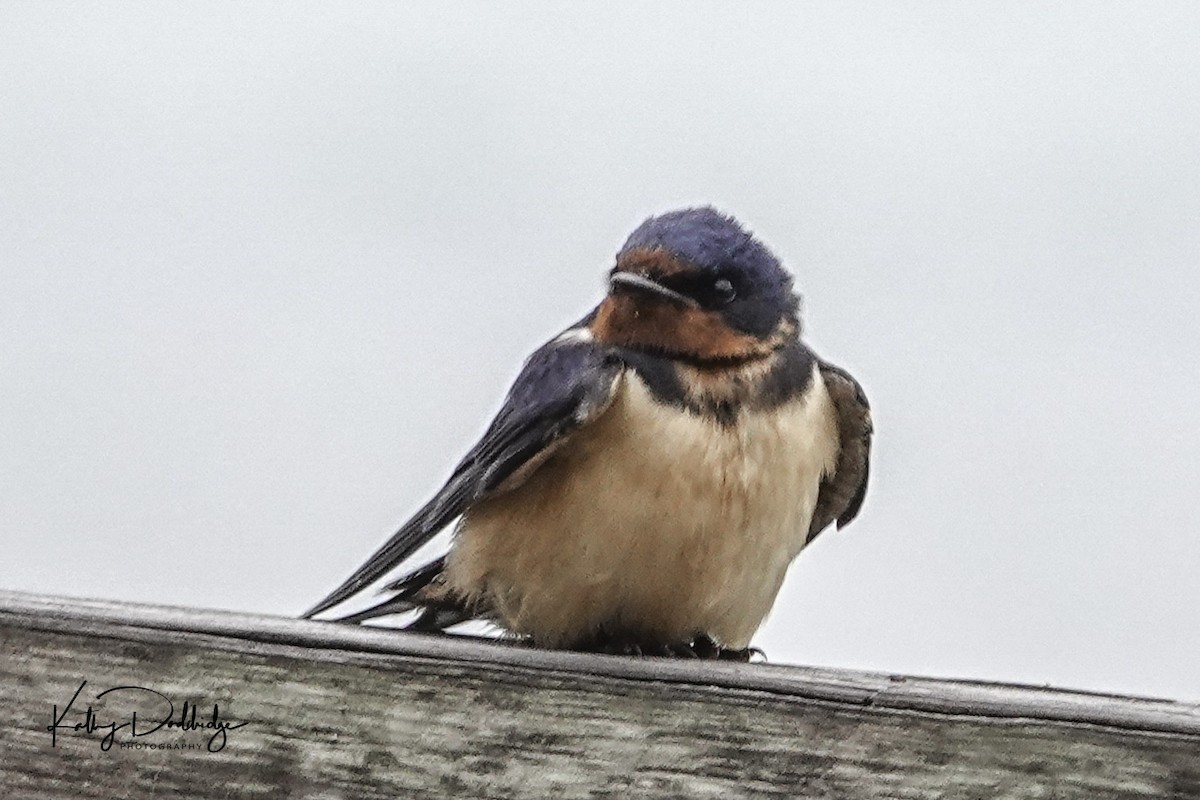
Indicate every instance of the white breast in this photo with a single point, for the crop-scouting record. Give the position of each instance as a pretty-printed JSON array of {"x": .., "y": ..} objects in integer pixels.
[{"x": 653, "y": 522}]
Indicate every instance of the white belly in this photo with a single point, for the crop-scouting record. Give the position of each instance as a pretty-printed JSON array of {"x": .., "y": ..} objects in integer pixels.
[{"x": 653, "y": 523}]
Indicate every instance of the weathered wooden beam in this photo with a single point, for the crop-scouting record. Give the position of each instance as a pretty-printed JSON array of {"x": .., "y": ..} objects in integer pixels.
[{"x": 333, "y": 711}]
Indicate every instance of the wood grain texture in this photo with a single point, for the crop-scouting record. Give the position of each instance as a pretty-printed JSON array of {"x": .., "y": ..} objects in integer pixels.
[{"x": 334, "y": 711}]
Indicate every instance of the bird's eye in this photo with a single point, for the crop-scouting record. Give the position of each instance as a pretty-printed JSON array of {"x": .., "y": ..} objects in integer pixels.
[{"x": 724, "y": 291}]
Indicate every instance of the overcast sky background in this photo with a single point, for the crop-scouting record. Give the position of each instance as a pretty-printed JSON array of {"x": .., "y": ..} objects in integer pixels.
[{"x": 266, "y": 271}]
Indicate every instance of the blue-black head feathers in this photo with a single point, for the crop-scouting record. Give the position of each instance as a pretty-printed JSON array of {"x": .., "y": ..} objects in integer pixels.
[
  {"x": 705, "y": 238},
  {"x": 715, "y": 247}
]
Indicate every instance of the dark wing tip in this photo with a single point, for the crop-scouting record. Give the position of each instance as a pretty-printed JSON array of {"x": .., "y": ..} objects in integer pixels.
[
  {"x": 365, "y": 574},
  {"x": 393, "y": 605},
  {"x": 338, "y": 595},
  {"x": 406, "y": 588},
  {"x": 415, "y": 533}
]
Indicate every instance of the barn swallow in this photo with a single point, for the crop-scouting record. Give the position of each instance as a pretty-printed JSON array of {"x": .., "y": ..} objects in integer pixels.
[{"x": 655, "y": 468}]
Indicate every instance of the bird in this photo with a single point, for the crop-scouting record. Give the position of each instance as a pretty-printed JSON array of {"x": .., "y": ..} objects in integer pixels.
[{"x": 654, "y": 469}]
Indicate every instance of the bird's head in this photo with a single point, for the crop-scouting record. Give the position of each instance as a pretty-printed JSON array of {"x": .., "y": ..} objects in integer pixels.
[{"x": 695, "y": 285}]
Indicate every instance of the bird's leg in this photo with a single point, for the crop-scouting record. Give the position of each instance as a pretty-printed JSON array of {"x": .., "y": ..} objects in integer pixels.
[
  {"x": 605, "y": 643},
  {"x": 706, "y": 648},
  {"x": 702, "y": 647},
  {"x": 622, "y": 645},
  {"x": 681, "y": 650}
]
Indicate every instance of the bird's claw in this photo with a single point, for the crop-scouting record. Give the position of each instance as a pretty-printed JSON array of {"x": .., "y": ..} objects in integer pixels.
[{"x": 702, "y": 647}]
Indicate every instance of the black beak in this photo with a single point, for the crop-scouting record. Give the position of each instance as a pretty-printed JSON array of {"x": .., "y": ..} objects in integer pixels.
[{"x": 631, "y": 281}]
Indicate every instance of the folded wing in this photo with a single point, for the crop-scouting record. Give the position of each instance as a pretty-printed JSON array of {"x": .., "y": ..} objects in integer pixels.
[
  {"x": 563, "y": 386},
  {"x": 842, "y": 492}
]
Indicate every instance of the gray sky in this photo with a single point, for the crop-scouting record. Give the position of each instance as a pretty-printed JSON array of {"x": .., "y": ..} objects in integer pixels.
[{"x": 266, "y": 271}]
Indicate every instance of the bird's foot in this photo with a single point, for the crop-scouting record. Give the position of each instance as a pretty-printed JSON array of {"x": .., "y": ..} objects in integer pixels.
[
  {"x": 706, "y": 648},
  {"x": 702, "y": 647},
  {"x": 626, "y": 645}
]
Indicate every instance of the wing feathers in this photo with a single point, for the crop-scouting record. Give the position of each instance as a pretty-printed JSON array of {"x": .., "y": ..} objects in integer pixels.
[
  {"x": 563, "y": 386},
  {"x": 841, "y": 494}
]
